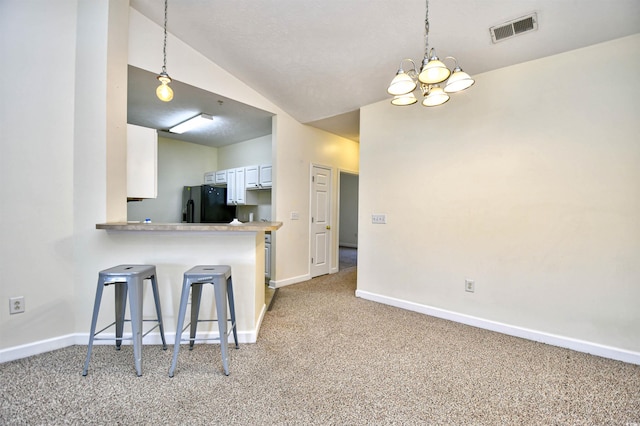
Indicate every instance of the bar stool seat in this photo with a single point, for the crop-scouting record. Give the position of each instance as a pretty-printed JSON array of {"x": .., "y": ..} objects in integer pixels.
[
  {"x": 128, "y": 280},
  {"x": 194, "y": 278}
]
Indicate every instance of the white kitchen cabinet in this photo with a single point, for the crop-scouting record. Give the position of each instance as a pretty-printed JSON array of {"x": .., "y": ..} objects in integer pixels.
[
  {"x": 210, "y": 178},
  {"x": 266, "y": 180},
  {"x": 252, "y": 177},
  {"x": 216, "y": 178},
  {"x": 237, "y": 193},
  {"x": 258, "y": 177},
  {"x": 142, "y": 162},
  {"x": 221, "y": 177}
]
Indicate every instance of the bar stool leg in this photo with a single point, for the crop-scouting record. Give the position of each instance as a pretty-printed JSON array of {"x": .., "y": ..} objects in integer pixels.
[
  {"x": 186, "y": 288},
  {"x": 120, "y": 305},
  {"x": 156, "y": 298},
  {"x": 232, "y": 309},
  {"x": 196, "y": 297},
  {"x": 135, "y": 305},
  {"x": 94, "y": 320},
  {"x": 221, "y": 310}
]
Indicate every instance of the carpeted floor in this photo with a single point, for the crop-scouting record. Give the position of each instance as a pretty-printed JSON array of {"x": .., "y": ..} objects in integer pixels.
[
  {"x": 348, "y": 257},
  {"x": 324, "y": 357}
]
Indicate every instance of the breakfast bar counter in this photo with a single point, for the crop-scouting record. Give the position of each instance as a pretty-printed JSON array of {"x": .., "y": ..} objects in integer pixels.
[
  {"x": 176, "y": 247},
  {"x": 191, "y": 227}
]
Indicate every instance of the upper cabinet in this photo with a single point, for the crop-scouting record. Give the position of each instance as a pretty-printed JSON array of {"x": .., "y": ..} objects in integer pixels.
[
  {"x": 142, "y": 162},
  {"x": 258, "y": 177},
  {"x": 266, "y": 181},
  {"x": 216, "y": 178},
  {"x": 241, "y": 182},
  {"x": 237, "y": 193}
]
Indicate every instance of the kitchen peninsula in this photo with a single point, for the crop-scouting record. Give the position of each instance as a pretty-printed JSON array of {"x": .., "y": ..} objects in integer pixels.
[{"x": 176, "y": 247}]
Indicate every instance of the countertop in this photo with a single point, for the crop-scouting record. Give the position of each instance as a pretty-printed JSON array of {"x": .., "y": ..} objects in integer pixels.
[{"x": 191, "y": 227}]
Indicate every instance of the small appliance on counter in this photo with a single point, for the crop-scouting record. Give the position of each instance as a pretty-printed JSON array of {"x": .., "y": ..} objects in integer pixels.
[{"x": 206, "y": 204}]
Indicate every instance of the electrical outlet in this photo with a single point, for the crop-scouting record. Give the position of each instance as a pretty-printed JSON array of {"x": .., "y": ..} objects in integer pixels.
[
  {"x": 469, "y": 285},
  {"x": 379, "y": 219},
  {"x": 295, "y": 216},
  {"x": 16, "y": 305}
]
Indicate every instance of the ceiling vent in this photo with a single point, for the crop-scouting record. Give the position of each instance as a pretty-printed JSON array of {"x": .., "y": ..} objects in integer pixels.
[{"x": 514, "y": 27}]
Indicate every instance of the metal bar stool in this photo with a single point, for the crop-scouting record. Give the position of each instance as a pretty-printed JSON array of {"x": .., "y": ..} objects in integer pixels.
[
  {"x": 194, "y": 278},
  {"x": 128, "y": 279}
]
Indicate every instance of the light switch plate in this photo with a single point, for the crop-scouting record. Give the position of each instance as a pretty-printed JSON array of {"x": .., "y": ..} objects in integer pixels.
[{"x": 379, "y": 219}]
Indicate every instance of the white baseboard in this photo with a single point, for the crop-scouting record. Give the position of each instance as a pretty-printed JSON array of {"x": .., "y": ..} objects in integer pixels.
[
  {"x": 289, "y": 281},
  {"x": 511, "y": 330},
  {"x": 36, "y": 348}
]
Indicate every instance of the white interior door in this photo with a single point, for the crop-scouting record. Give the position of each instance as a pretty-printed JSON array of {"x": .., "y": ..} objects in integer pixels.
[{"x": 320, "y": 220}]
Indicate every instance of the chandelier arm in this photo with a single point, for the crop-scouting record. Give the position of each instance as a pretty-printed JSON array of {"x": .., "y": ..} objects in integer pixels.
[
  {"x": 454, "y": 60},
  {"x": 413, "y": 72}
]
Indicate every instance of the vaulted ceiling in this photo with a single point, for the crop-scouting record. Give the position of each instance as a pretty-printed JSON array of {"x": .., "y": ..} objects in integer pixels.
[{"x": 321, "y": 60}]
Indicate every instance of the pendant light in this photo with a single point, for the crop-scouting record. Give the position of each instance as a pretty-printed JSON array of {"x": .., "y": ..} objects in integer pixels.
[
  {"x": 432, "y": 73},
  {"x": 164, "y": 92}
]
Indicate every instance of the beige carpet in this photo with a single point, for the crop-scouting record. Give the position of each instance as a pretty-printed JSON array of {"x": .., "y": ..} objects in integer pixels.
[{"x": 325, "y": 357}]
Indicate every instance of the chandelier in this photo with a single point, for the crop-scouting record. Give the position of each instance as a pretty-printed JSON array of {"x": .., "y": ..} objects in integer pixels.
[
  {"x": 432, "y": 73},
  {"x": 164, "y": 92}
]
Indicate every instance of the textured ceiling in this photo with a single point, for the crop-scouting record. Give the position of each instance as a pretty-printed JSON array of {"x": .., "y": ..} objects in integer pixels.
[{"x": 321, "y": 60}]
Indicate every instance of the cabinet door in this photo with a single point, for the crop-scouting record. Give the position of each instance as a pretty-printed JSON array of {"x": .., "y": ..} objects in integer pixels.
[
  {"x": 267, "y": 260},
  {"x": 252, "y": 177},
  {"x": 210, "y": 178},
  {"x": 231, "y": 187},
  {"x": 142, "y": 162},
  {"x": 221, "y": 177},
  {"x": 240, "y": 186},
  {"x": 265, "y": 176}
]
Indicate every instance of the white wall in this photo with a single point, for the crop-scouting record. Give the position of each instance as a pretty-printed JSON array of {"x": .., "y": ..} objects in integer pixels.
[
  {"x": 179, "y": 163},
  {"x": 527, "y": 183},
  {"x": 248, "y": 153},
  {"x": 36, "y": 168}
]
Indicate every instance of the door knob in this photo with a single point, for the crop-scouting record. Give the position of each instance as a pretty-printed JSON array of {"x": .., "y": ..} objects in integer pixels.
[{"x": 328, "y": 227}]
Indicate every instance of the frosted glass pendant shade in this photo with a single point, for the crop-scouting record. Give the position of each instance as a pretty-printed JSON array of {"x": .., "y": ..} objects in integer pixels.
[
  {"x": 403, "y": 100},
  {"x": 433, "y": 71},
  {"x": 401, "y": 84},
  {"x": 458, "y": 81},
  {"x": 436, "y": 97}
]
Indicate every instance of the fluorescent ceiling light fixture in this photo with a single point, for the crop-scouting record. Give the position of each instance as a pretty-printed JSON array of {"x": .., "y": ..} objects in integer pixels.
[{"x": 198, "y": 121}]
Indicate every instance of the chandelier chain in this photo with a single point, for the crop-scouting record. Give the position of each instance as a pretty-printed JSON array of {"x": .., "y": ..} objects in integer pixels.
[
  {"x": 164, "y": 47},
  {"x": 426, "y": 30}
]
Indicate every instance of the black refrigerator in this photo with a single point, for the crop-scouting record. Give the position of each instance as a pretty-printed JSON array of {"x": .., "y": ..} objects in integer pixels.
[{"x": 206, "y": 204}]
